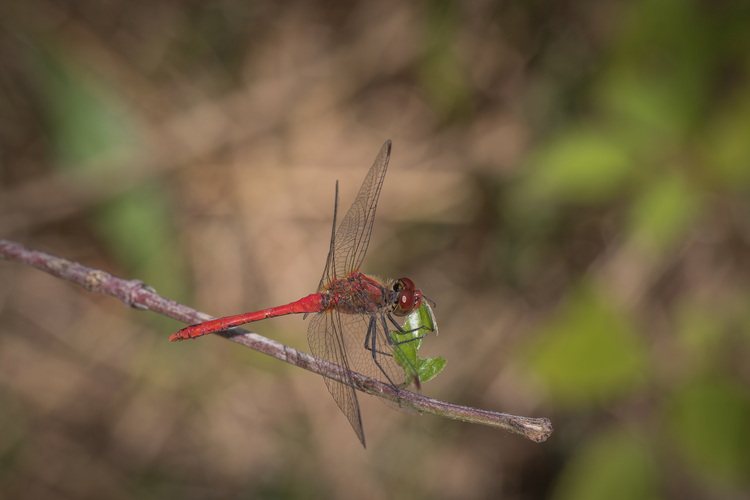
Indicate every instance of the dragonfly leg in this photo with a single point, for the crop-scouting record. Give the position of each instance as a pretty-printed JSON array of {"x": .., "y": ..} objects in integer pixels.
[
  {"x": 371, "y": 345},
  {"x": 371, "y": 339}
]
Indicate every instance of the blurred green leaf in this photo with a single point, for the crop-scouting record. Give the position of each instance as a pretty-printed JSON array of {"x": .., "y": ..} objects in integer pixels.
[
  {"x": 663, "y": 212},
  {"x": 441, "y": 71},
  {"x": 725, "y": 146},
  {"x": 86, "y": 118},
  {"x": 406, "y": 349},
  {"x": 658, "y": 74},
  {"x": 90, "y": 126},
  {"x": 614, "y": 465},
  {"x": 580, "y": 166},
  {"x": 590, "y": 352},
  {"x": 640, "y": 110},
  {"x": 700, "y": 333},
  {"x": 708, "y": 420},
  {"x": 138, "y": 229}
]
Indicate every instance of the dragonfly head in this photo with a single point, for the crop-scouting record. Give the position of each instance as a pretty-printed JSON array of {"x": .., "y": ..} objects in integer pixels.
[{"x": 408, "y": 298}]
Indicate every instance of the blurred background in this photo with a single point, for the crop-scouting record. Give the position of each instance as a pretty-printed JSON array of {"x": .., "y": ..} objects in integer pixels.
[{"x": 570, "y": 183}]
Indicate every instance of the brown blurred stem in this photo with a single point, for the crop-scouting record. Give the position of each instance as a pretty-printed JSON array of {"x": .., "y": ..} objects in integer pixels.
[{"x": 140, "y": 296}]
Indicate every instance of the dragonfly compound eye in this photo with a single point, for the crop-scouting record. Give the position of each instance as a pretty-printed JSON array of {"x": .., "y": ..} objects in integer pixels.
[{"x": 407, "y": 299}]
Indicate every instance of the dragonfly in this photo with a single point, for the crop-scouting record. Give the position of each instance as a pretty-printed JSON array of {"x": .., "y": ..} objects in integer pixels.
[{"x": 354, "y": 313}]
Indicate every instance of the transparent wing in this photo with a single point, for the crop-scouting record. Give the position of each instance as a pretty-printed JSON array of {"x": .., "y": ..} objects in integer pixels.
[
  {"x": 349, "y": 243},
  {"x": 372, "y": 358},
  {"x": 326, "y": 339},
  {"x": 328, "y": 271},
  {"x": 347, "y": 341}
]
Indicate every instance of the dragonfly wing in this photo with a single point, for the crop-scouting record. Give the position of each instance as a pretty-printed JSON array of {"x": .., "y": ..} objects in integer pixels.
[
  {"x": 326, "y": 339},
  {"x": 368, "y": 349},
  {"x": 353, "y": 235},
  {"x": 328, "y": 272}
]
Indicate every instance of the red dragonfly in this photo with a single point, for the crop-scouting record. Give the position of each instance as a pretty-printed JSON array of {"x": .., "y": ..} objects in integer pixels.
[{"x": 349, "y": 304}]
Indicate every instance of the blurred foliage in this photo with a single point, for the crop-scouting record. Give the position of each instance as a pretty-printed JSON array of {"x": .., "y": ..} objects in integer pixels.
[
  {"x": 442, "y": 75},
  {"x": 589, "y": 354},
  {"x": 581, "y": 166},
  {"x": 645, "y": 145},
  {"x": 599, "y": 168},
  {"x": 88, "y": 124},
  {"x": 614, "y": 464},
  {"x": 718, "y": 449}
]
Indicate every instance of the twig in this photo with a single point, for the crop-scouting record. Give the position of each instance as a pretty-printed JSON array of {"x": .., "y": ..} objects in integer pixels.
[{"x": 140, "y": 296}]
